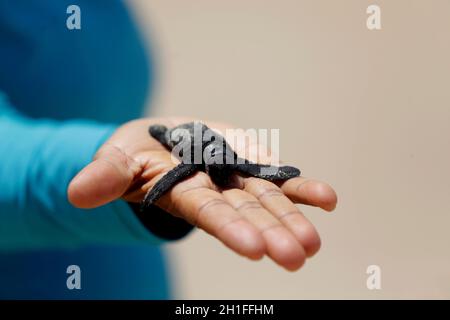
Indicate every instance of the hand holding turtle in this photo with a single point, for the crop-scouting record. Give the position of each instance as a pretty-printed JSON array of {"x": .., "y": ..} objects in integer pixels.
[{"x": 256, "y": 217}]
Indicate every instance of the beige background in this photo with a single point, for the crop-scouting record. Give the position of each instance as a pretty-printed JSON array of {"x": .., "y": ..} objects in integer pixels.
[{"x": 367, "y": 111}]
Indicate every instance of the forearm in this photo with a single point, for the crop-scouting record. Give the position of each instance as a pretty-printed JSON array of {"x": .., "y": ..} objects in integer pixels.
[{"x": 38, "y": 160}]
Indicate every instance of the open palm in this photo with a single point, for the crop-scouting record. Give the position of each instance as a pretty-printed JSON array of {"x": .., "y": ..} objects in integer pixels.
[{"x": 254, "y": 218}]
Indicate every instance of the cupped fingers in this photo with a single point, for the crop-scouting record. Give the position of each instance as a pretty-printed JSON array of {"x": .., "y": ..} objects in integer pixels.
[
  {"x": 274, "y": 200},
  {"x": 282, "y": 247},
  {"x": 206, "y": 208}
]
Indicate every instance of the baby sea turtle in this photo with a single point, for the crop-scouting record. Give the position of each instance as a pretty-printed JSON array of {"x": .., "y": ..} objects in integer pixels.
[{"x": 201, "y": 149}]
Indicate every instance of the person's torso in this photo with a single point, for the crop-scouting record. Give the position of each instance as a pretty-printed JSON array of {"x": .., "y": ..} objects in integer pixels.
[{"x": 99, "y": 72}]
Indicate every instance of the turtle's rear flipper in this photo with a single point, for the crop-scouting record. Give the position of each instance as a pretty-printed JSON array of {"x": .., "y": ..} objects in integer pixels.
[
  {"x": 268, "y": 172},
  {"x": 158, "y": 132},
  {"x": 167, "y": 182}
]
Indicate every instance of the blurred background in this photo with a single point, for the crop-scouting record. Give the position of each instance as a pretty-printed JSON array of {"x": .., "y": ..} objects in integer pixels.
[{"x": 366, "y": 111}]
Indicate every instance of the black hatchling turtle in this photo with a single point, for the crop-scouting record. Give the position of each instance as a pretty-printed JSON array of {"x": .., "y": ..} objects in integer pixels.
[{"x": 202, "y": 149}]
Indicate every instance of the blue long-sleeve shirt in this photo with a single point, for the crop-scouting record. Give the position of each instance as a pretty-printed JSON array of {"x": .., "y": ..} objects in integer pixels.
[{"x": 62, "y": 93}]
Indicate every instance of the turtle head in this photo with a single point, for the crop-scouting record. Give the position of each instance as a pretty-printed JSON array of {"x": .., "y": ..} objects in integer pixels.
[
  {"x": 220, "y": 173},
  {"x": 219, "y": 161}
]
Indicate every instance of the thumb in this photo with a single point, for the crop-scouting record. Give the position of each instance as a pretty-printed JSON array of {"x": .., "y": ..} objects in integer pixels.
[{"x": 105, "y": 179}]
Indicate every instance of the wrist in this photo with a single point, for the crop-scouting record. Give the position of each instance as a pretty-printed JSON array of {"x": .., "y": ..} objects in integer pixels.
[{"x": 161, "y": 223}]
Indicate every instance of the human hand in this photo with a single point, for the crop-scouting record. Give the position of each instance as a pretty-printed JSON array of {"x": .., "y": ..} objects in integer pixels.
[{"x": 254, "y": 218}]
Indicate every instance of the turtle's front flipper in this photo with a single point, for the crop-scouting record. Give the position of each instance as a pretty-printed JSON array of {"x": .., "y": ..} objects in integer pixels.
[
  {"x": 268, "y": 172},
  {"x": 167, "y": 182}
]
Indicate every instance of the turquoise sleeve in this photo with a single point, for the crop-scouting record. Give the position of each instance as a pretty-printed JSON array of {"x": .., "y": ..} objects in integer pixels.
[{"x": 38, "y": 159}]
